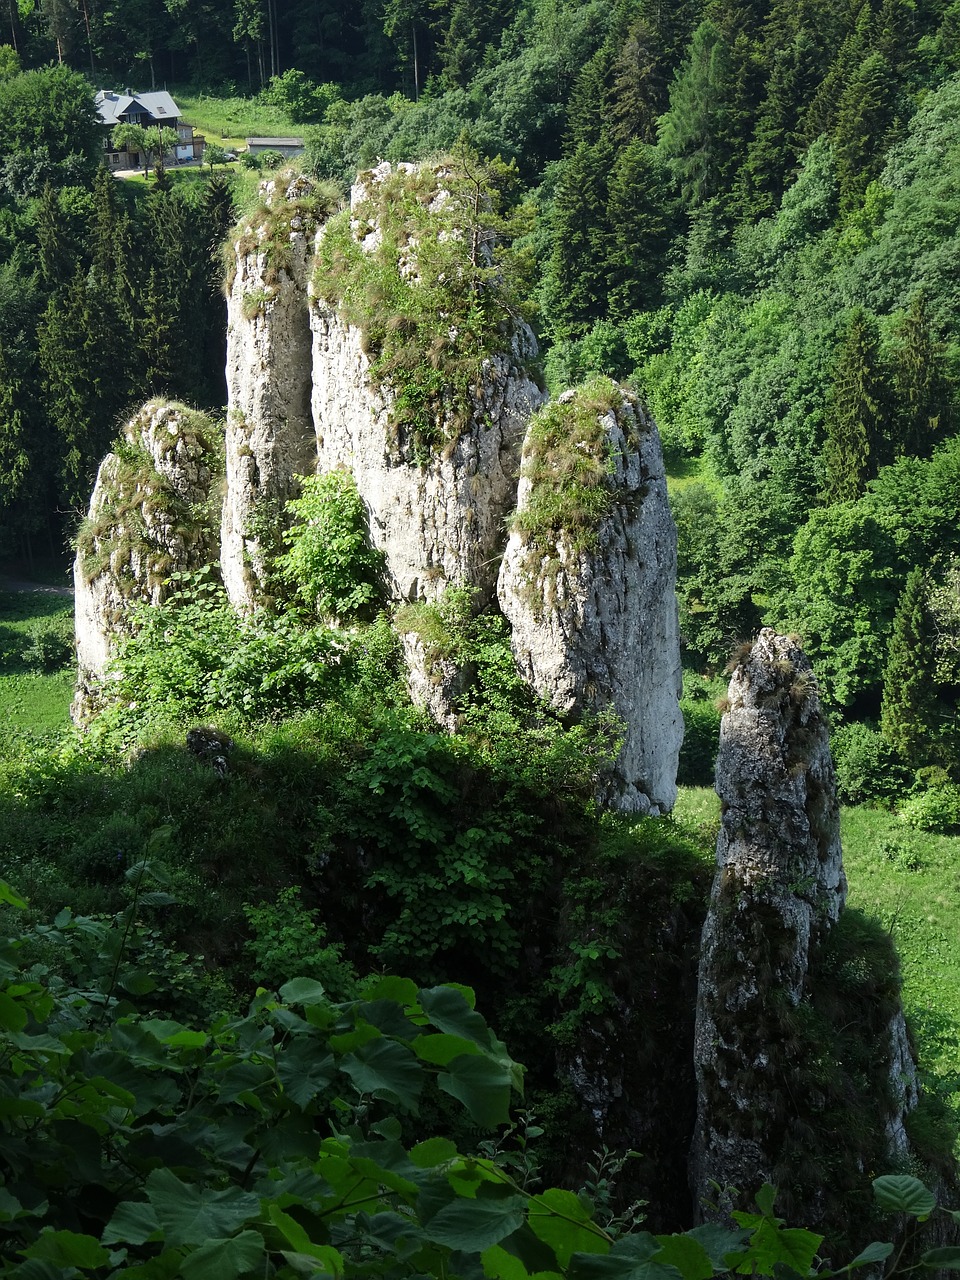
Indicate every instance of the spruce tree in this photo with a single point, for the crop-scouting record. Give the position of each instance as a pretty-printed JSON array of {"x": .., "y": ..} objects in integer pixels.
[
  {"x": 820, "y": 114},
  {"x": 774, "y": 150},
  {"x": 856, "y": 413},
  {"x": 922, "y": 387},
  {"x": 908, "y": 708},
  {"x": 640, "y": 214},
  {"x": 15, "y": 462},
  {"x": 864, "y": 117},
  {"x": 57, "y": 252},
  {"x": 576, "y": 279},
  {"x": 639, "y": 95},
  {"x": 696, "y": 134}
]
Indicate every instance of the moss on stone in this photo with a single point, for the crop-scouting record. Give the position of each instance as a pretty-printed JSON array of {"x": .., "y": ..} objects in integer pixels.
[{"x": 412, "y": 267}]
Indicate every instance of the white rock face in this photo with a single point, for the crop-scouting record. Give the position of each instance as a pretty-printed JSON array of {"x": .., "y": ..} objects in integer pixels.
[
  {"x": 269, "y": 437},
  {"x": 439, "y": 523},
  {"x": 436, "y": 684},
  {"x": 150, "y": 514},
  {"x": 596, "y": 630}
]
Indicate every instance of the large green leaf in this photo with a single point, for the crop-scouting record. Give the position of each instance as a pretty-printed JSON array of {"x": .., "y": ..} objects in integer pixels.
[
  {"x": 946, "y": 1259},
  {"x": 633, "y": 1257},
  {"x": 68, "y": 1249},
  {"x": 13, "y": 1016},
  {"x": 562, "y": 1221},
  {"x": 900, "y": 1193},
  {"x": 304, "y": 1071},
  {"x": 388, "y": 1069},
  {"x": 432, "y": 1152},
  {"x": 225, "y": 1259},
  {"x": 771, "y": 1245},
  {"x": 194, "y": 1215},
  {"x": 687, "y": 1255},
  {"x": 878, "y": 1251},
  {"x": 10, "y": 898},
  {"x": 474, "y": 1225},
  {"x": 482, "y": 1085},
  {"x": 133, "y": 1222},
  {"x": 441, "y": 1049},
  {"x": 448, "y": 1010},
  {"x": 305, "y": 991}
]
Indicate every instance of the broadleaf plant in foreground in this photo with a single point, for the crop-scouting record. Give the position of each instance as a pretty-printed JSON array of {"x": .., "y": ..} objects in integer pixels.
[{"x": 287, "y": 1142}]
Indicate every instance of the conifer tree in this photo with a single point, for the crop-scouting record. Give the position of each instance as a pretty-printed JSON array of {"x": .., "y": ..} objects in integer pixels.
[
  {"x": 576, "y": 280},
  {"x": 15, "y": 463},
  {"x": 775, "y": 147},
  {"x": 864, "y": 117},
  {"x": 640, "y": 93},
  {"x": 908, "y": 708},
  {"x": 57, "y": 252},
  {"x": 923, "y": 399},
  {"x": 696, "y": 134},
  {"x": 640, "y": 216},
  {"x": 856, "y": 415},
  {"x": 79, "y": 386},
  {"x": 820, "y": 114},
  {"x": 589, "y": 107}
]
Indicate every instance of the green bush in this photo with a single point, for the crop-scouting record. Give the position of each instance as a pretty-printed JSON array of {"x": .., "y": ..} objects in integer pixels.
[
  {"x": 285, "y": 932},
  {"x": 868, "y": 769},
  {"x": 937, "y": 809},
  {"x": 49, "y": 643},
  {"x": 701, "y": 737},
  {"x": 330, "y": 563}
]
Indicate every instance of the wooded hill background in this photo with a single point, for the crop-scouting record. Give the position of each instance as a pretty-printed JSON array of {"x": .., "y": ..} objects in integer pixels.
[{"x": 748, "y": 210}]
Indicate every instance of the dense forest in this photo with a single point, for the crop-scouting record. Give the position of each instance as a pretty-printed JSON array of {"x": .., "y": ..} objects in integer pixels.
[{"x": 748, "y": 213}]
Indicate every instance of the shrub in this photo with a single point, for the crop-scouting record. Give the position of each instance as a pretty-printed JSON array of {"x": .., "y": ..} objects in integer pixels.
[
  {"x": 330, "y": 562},
  {"x": 49, "y": 643},
  {"x": 869, "y": 771},
  {"x": 286, "y": 929},
  {"x": 701, "y": 736},
  {"x": 937, "y": 809}
]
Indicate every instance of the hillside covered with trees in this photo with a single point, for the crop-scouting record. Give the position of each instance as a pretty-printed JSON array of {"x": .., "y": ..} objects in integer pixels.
[{"x": 748, "y": 213}]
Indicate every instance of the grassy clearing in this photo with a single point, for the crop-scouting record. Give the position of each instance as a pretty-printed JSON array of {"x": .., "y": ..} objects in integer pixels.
[
  {"x": 36, "y": 663},
  {"x": 683, "y": 472},
  {"x": 230, "y": 121},
  {"x": 909, "y": 882}
]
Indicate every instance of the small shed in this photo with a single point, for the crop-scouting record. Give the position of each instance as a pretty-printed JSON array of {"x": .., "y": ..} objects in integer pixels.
[{"x": 287, "y": 147}]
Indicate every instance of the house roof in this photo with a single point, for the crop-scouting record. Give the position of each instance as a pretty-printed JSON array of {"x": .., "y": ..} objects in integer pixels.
[
  {"x": 113, "y": 106},
  {"x": 274, "y": 142}
]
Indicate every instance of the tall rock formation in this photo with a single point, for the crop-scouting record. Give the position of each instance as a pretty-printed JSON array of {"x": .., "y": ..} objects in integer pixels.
[
  {"x": 588, "y": 583},
  {"x": 154, "y": 510},
  {"x": 766, "y": 1058},
  {"x": 269, "y": 436},
  {"x": 436, "y": 512}
]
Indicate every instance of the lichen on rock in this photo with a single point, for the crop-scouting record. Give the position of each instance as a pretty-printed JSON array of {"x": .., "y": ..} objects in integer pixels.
[
  {"x": 269, "y": 436},
  {"x": 154, "y": 510},
  {"x": 588, "y": 582}
]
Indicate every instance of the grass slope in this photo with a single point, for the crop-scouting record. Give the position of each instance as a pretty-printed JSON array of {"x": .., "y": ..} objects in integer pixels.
[
  {"x": 230, "y": 121},
  {"x": 36, "y": 662}
]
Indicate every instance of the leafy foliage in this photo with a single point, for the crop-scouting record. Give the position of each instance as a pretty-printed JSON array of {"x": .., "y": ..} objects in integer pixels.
[
  {"x": 329, "y": 561},
  {"x": 321, "y": 1168}
]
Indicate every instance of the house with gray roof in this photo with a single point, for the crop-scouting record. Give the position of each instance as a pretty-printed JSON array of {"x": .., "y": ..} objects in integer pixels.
[{"x": 148, "y": 110}]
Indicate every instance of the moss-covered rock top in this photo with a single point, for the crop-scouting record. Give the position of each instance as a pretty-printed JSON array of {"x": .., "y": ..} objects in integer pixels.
[{"x": 421, "y": 264}]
